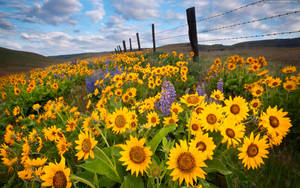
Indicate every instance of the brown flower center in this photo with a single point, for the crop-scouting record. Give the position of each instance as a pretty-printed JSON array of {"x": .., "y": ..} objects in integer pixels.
[
  {"x": 186, "y": 162},
  {"x": 255, "y": 104},
  {"x": 192, "y": 100},
  {"x": 137, "y": 154},
  {"x": 201, "y": 146},
  {"x": 171, "y": 121},
  {"x": 133, "y": 124},
  {"x": 175, "y": 110},
  {"x": 211, "y": 119},
  {"x": 217, "y": 96},
  {"x": 258, "y": 92},
  {"x": 274, "y": 122},
  {"x": 289, "y": 87},
  {"x": 275, "y": 83},
  {"x": 235, "y": 109},
  {"x": 153, "y": 120},
  {"x": 59, "y": 180},
  {"x": 252, "y": 150},
  {"x": 199, "y": 110},
  {"x": 120, "y": 121},
  {"x": 86, "y": 145},
  {"x": 195, "y": 127},
  {"x": 230, "y": 133}
]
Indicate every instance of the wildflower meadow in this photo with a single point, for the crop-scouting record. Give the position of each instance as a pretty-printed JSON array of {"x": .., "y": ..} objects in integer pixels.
[{"x": 141, "y": 119}]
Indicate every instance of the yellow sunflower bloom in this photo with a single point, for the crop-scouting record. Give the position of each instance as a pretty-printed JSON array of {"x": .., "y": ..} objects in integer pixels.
[
  {"x": 192, "y": 99},
  {"x": 135, "y": 156},
  {"x": 275, "y": 121},
  {"x": 185, "y": 163},
  {"x": 204, "y": 144},
  {"x": 232, "y": 133},
  {"x": 56, "y": 175},
  {"x": 211, "y": 117},
  {"x": 195, "y": 125},
  {"x": 176, "y": 108},
  {"x": 120, "y": 120},
  {"x": 290, "y": 85},
  {"x": 153, "y": 119},
  {"x": 85, "y": 145},
  {"x": 257, "y": 91},
  {"x": 253, "y": 151},
  {"x": 169, "y": 120},
  {"x": 236, "y": 109},
  {"x": 217, "y": 95}
]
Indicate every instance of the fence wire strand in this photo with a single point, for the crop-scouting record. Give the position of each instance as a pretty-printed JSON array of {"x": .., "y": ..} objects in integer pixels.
[{"x": 248, "y": 22}]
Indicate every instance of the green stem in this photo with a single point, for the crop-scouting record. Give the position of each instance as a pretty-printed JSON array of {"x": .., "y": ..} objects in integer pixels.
[
  {"x": 74, "y": 177},
  {"x": 102, "y": 136}
]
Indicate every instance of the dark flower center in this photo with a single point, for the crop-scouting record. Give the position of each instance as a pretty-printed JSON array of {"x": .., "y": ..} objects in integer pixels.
[
  {"x": 235, "y": 109},
  {"x": 120, "y": 121},
  {"x": 274, "y": 122},
  {"x": 252, "y": 150},
  {"x": 137, "y": 154},
  {"x": 211, "y": 119},
  {"x": 86, "y": 145},
  {"x": 230, "y": 133},
  {"x": 201, "y": 146},
  {"x": 59, "y": 180},
  {"x": 195, "y": 127},
  {"x": 192, "y": 100},
  {"x": 186, "y": 162}
]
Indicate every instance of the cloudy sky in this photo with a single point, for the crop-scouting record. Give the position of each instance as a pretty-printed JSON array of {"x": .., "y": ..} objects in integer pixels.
[{"x": 56, "y": 27}]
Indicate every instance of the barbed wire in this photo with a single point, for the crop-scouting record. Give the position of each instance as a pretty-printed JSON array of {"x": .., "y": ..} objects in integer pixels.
[
  {"x": 171, "y": 29},
  {"x": 251, "y": 36},
  {"x": 251, "y": 21},
  {"x": 172, "y": 37},
  {"x": 230, "y": 11}
]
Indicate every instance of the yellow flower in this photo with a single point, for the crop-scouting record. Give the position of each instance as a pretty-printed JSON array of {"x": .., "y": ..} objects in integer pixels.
[
  {"x": 185, "y": 163},
  {"x": 253, "y": 151},
  {"x": 236, "y": 108},
  {"x": 257, "y": 91},
  {"x": 26, "y": 174},
  {"x": 204, "y": 144},
  {"x": 56, "y": 175},
  {"x": 195, "y": 125},
  {"x": 192, "y": 99},
  {"x": 169, "y": 120},
  {"x": 63, "y": 146},
  {"x": 232, "y": 133},
  {"x": 255, "y": 104},
  {"x": 36, "y": 162},
  {"x": 16, "y": 110},
  {"x": 135, "y": 156},
  {"x": 289, "y": 69},
  {"x": 17, "y": 91},
  {"x": 85, "y": 145},
  {"x": 275, "y": 83},
  {"x": 217, "y": 95},
  {"x": 120, "y": 120},
  {"x": 211, "y": 117},
  {"x": 153, "y": 119},
  {"x": 176, "y": 108},
  {"x": 289, "y": 85},
  {"x": 275, "y": 122}
]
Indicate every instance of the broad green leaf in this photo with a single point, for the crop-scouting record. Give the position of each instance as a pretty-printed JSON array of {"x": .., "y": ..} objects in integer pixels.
[
  {"x": 101, "y": 167},
  {"x": 132, "y": 182},
  {"x": 216, "y": 165},
  {"x": 206, "y": 184},
  {"x": 82, "y": 180},
  {"x": 160, "y": 135}
]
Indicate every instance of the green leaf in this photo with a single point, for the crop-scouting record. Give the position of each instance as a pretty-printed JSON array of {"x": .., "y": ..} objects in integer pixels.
[
  {"x": 100, "y": 166},
  {"x": 132, "y": 182},
  {"x": 161, "y": 134},
  {"x": 216, "y": 165},
  {"x": 82, "y": 180},
  {"x": 206, "y": 184}
]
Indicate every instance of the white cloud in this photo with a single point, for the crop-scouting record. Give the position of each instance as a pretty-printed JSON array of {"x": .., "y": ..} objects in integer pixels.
[
  {"x": 11, "y": 45},
  {"x": 6, "y": 25},
  {"x": 137, "y": 9},
  {"x": 98, "y": 13}
]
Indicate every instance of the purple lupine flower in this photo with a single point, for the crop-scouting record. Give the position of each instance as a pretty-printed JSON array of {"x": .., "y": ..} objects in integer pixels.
[
  {"x": 200, "y": 90},
  {"x": 220, "y": 85},
  {"x": 168, "y": 96}
]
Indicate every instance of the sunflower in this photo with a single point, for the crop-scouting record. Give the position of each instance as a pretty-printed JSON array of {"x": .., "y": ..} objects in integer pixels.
[
  {"x": 210, "y": 117},
  {"x": 118, "y": 92},
  {"x": 17, "y": 91},
  {"x": 186, "y": 163},
  {"x": 85, "y": 145},
  {"x": 231, "y": 66},
  {"x": 257, "y": 90},
  {"x": 204, "y": 144},
  {"x": 26, "y": 174},
  {"x": 289, "y": 69},
  {"x": 255, "y": 104},
  {"x": 153, "y": 119},
  {"x": 195, "y": 125},
  {"x": 169, "y": 120},
  {"x": 236, "y": 108},
  {"x": 56, "y": 175},
  {"x": 275, "y": 121},
  {"x": 176, "y": 108},
  {"x": 135, "y": 156},
  {"x": 192, "y": 99},
  {"x": 253, "y": 150},
  {"x": 217, "y": 95},
  {"x": 62, "y": 146},
  {"x": 290, "y": 85},
  {"x": 232, "y": 133},
  {"x": 275, "y": 83},
  {"x": 120, "y": 120}
]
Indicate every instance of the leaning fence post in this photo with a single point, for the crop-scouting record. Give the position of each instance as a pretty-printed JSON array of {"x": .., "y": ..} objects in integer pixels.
[
  {"x": 130, "y": 44},
  {"x": 120, "y": 48},
  {"x": 116, "y": 51},
  {"x": 153, "y": 38},
  {"x": 191, "y": 19},
  {"x": 138, "y": 41},
  {"x": 124, "y": 45}
]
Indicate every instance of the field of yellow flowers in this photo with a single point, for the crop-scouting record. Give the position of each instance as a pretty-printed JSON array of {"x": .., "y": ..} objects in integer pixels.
[{"x": 143, "y": 120}]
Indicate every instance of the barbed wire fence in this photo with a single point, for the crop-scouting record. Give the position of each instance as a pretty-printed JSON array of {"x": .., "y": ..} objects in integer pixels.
[{"x": 192, "y": 33}]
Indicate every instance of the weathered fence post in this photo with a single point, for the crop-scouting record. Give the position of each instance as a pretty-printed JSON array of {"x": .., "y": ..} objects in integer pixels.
[
  {"x": 120, "y": 48},
  {"x": 124, "y": 45},
  {"x": 116, "y": 51},
  {"x": 130, "y": 44},
  {"x": 191, "y": 19},
  {"x": 138, "y": 41},
  {"x": 153, "y": 38}
]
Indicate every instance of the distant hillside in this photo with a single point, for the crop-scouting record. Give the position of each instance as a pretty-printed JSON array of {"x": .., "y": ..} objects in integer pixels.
[
  {"x": 70, "y": 57},
  {"x": 12, "y": 61}
]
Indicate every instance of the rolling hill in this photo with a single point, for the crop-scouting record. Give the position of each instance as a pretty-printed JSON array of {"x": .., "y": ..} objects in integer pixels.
[{"x": 12, "y": 61}]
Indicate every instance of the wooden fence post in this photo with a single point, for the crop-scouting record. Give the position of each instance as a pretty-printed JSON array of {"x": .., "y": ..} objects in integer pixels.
[
  {"x": 124, "y": 45},
  {"x": 130, "y": 44},
  {"x": 116, "y": 51},
  {"x": 138, "y": 41},
  {"x": 191, "y": 19},
  {"x": 120, "y": 48},
  {"x": 153, "y": 38}
]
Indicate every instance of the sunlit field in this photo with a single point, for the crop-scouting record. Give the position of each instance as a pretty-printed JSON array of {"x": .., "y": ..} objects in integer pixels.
[{"x": 144, "y": 119}]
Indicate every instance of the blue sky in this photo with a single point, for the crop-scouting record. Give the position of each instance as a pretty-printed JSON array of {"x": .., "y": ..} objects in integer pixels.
[{"x": 56, "y": 27}]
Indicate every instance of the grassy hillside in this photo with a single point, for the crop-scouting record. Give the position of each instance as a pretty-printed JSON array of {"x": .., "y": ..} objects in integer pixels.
[
  {"x": 70, "y": 57},
  {"x": 12, "y": 61}
]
